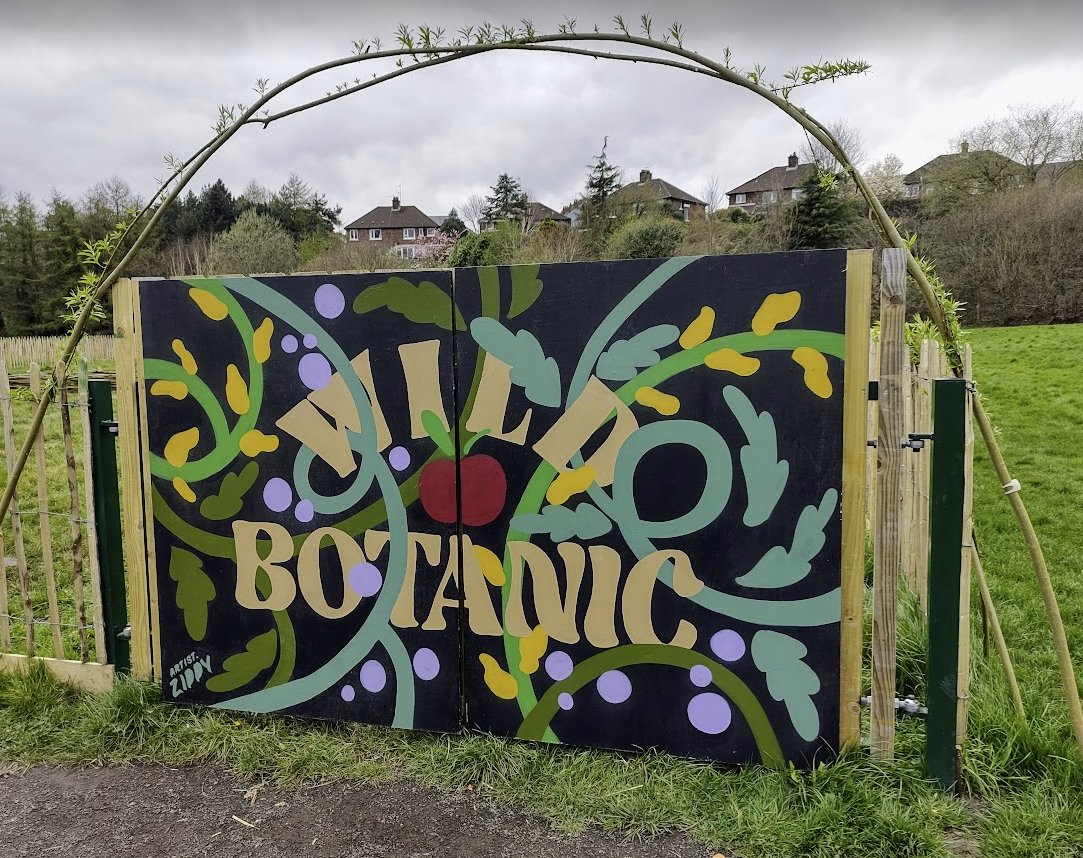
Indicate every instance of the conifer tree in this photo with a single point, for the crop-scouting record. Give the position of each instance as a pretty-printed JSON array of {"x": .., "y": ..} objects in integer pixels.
[
  {"x": 822, "y": 216},
  {"x": 602, "y": 180},
  {"x": 507, "y": 201}
]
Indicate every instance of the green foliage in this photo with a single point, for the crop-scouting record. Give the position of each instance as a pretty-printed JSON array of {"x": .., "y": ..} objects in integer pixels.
[
  {"x": 453, "y": 225},
  {"x": 240, "y": 669},
  {"x": 227, "y": 502},
  {"x": 822, "y": 217},
  {"x": 256, "y": 244},
  {"x": 525, "y": 289},
  {"x": 603, "y": 179},
  {"x": 195, "y": 590},
  {"x": 492, "y": 247},
  {"x": 562, "y": 523},
  {"x": 425, "y": 303},
  {"x": 506, "y": 202},
  {"x": 438, "y": 432},
  {"x": 646, "y": 238},
  {"x": 623, "y": 360},
  {"x": 538, "y": 375},
  {"x": 780, "y": 567}
]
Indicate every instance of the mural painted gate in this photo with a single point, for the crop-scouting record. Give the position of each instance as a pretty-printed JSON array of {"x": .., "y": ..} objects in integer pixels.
[{"x": 605, "y": 504}]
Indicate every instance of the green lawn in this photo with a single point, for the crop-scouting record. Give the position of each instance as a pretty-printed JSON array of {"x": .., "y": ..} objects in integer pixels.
[{"x": 1025, "y": 781}]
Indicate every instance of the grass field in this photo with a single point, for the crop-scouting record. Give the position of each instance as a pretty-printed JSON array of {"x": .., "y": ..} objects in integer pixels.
[{"x": 1025, "y": 781}]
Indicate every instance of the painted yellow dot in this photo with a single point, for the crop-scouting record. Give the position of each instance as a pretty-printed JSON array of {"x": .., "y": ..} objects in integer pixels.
[
  {"x": 699, "y": 330},
  {"x": 236, "y": 391},
  {"x": 176, "y": 389},
  {"x": 815, "y": 366},
  {"x": 184, "y": 490},
  {"x": 210, "y": 304},
  {"x": 531, "y": 649},
  {"x": 569, "y": 483},
  {"x": 490, "y": 564},
  {"x": 187, "y": 361},
  {"x": 253, "y": 442},
  {"x": 261, "y": 340},
  {"x": 663, "y": 403},
  {"x": 729, "y": 360},
  {"x": 776, "y": 308},
  {"x": 500, "y": 682},
  {"x": 180, "y": 445}
]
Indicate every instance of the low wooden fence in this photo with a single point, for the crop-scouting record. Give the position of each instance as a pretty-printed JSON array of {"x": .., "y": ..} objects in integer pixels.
[{"x": 20, "y": 352}]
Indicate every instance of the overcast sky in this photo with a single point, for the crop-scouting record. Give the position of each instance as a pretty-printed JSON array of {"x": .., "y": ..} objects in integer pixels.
[{"x": 93, "y": 88}]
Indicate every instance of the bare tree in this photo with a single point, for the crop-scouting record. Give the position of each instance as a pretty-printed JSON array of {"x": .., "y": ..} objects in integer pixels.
[
  {"x": 712, "y": 194},
  {"x": 472, "y": 211},
  {"x": 849, "y": 137}
]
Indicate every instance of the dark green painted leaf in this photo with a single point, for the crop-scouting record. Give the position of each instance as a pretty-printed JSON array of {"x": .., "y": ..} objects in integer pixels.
[
  {"x": 240, "y": 669},
  {"x": 584, "y": 522},
  {"x": 525, "y": 288},
  {"x": 195, "y": 590},
  {"x": 623, "y": 360},
  {"x": 227, "y": 503},
  {"x": 434, "y": 426},
  {"x": 425, "y": 303},
  {"x": 538, "y": 375}
]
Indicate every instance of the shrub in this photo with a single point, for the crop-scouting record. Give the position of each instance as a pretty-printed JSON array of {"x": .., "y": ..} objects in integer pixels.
[
  {"x": 255, "y": 244},
  {"x": 646, "y": 238}
]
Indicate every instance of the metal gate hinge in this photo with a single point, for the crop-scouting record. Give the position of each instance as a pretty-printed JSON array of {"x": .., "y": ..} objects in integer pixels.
[
  {"x": 916, "y": 440},
  {"x": 111, "y": 426}
]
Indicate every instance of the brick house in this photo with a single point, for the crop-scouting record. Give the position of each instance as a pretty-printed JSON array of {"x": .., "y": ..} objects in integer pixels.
[
  {"x": 780, "y": 184},
  {"x": 393, "y": 228},
  {"x": 638, "y": 197}
]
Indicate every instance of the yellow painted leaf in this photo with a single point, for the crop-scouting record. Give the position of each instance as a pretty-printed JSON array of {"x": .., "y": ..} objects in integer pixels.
[
  {"x": 699, "y": 330},
  {"x": 570, "y": 483},
  {"x": 531, "y": 649},
  {"x": 211, "y": 305},
  {"x": 663, "y": 403},
  {"x": 729, "y": 360},
  {"x": 261, "y": 340},
  {"x": 186, "y": 359},
  {"x": 236, "y": 391},
  {"x": 176, "y": 389},
  {"x": 253, "y": 442},
  {"x": 815, "y": 366},
  {"x": 184, "y": 490},
  {"x": 180, "y": 445},
  {"x": 500, "y": 682},
  {"x": 490, "y": 564},
  {"x": 776, "y": 309}
]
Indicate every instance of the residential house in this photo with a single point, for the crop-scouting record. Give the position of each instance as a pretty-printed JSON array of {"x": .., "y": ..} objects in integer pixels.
[
  {"x": 989, "y": 168},
  {"x": 393, "y": 229},
  {"x": 638, "y": 197},
  {"x": 780, "y": 184},
  {"x": 536, "y": 214}
]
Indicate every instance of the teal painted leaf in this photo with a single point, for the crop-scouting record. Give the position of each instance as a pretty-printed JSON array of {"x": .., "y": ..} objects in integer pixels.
[
  {"x": 537, "y": 374},
  {"x": 240, "y": 669},
  {"x": 561, "y": 523},
  {"x": 779, "y": 567},
  {"x": 789, "y": 679},
  {"x": 425, "y": 303},
  {"x": 623, "y": 360},
  {"x": 765, "y": 474},
  {"x": 525, "y": 288},
  {"x": 227, "y": 503},
  {"x": 439, "y": 433},
  {"x": 195, "y": 590}
]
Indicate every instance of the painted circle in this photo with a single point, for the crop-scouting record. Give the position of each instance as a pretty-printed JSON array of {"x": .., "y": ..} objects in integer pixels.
[
  {"x": 564, "y": 701},
  {"x": 700, "y": 676},
  {"x": 310, "y": 341},
  {"x": 329, "y": 301},
  {"x": 614, "y": 686},
  {"x": 373, "y": 676},
  {"x": 348, "y": 693},
  {"x": 399, "y": 458},
  {"x": 727, "y": 645},
  {"x": 426, "y": 664},
  {"x": 277, "y": 494},
  {"x": 709, "y": 713},
  {"x": 304, "y": 511},
  {"x": 289, "y": 343},
  {"x": 314, "y": 370},
  {"x": 366, "y": 579},
  {"x": 558, "y": 665}
]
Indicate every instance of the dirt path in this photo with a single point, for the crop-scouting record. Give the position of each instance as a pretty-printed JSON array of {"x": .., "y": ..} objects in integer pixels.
[{"x": 169, "y": 813}]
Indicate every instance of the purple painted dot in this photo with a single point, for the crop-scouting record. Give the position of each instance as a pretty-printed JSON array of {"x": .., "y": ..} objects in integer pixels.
[
  {"x": 366, "y": 579},
  {"x": 304, "y": 511},
  {"x": 564, "y": 701},
  {"x": 709, "y": 713},
  {"x": 310, "y": 341},
  {"x": 614, "y": 686},
  {"x": 373, "y": 676},
  {"x": 329, "y": 301},
  {"x": 558, "y": 665},
  {"x": 289, "y": 343},
  {"x": 700, "y": 676},
  {"x": 277, "y": 494},
  {"x": 348, "y": 693},
  {"x": 399, "y": 457},
  {"x": 727, "y": 645},
  {"x": 426, "y": 664},
  {"x": 314, "y": 370}
]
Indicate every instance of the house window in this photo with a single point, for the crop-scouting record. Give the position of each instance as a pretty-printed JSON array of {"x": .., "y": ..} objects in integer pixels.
[
  {"x": 406, "y": 252},
  {"x": 409, "y": 233},
  {"x": 913, "y": 190},
  {"x": 430, "y": 230},
  {"x": 770, "y": 197},
  {"x": 739, "y": 199},
  {"x": 376, "y": 234},
  {"x": 355, "y": 234},
  {"x": 686, "y": 209},
  {"x": 796, "y": 194}
]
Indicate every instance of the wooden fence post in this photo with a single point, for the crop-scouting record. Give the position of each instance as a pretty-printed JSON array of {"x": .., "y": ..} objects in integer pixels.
[{"x": 15, "y": 513}]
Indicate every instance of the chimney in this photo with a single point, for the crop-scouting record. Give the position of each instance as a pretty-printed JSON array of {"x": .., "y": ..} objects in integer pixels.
[
  {"x": 964, "y": 147},
  {"x": 644, "y": 176},
  {"x": 395, "y": 206},
  {"x": 791, "y": 163}
]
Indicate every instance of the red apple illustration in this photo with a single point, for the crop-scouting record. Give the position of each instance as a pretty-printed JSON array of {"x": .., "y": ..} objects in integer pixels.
[{"x": 484, "y": 486}]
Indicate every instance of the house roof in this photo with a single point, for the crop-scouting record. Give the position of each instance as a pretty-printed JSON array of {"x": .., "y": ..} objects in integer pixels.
[
  {"x": 657, "y": 188},
  {"x": 540, "y": 211},
  {"x": 386, "y": 217},
  {"x": 777, "y": 178},
  {"x": 941, "y": 162}
]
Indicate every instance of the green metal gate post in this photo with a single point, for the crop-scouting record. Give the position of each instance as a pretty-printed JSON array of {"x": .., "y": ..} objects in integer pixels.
[
  {"x": 103, "y": 429},
  {"x": 945, "y": 558}
]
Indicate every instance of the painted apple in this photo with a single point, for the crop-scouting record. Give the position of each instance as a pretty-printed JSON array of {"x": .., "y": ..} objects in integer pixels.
[{"x": 484, "y": 489}]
